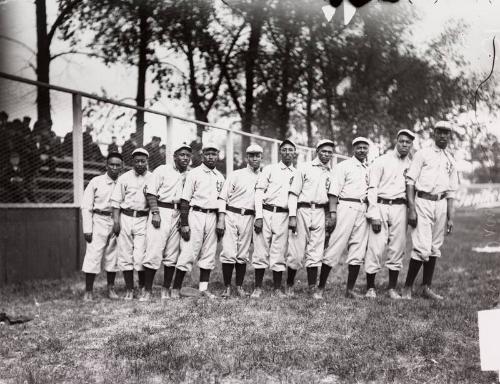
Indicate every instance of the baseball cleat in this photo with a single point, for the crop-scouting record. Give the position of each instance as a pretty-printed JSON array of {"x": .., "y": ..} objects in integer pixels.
[
  {"x": 88, "y": 296},
  {"x": 240, "y": 292},
  {"x": 428, "y": 293},
  {"x": 394, "y": 295},
  {"x": 165, "y": 293},
  {"x": 112, "y": 294},
  {"x": 208, "y": 294},
  {"x": 257, "y": 293},
  {"x": 146, "y": 296},
  {"x": 350, "y": 294},
  {"x": 371, "y": 294},
  {"x": 279, "y": 294},
  {"x": 290, "y": 291},
  {"x": 316, "y": 294},
  {"x": 175, "y": 294},
  {"x": 129, "y": 295},
  {"x": 227, "y": 293},
  {"x": 406, "y": 294}
]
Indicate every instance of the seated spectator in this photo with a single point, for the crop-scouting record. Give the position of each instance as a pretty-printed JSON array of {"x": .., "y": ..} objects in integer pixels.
[
  {"x": 128, "y": 148},
  {"x": 113, "y": 147},
  {"x": 67, "y": 145},
  {"x": 155, "y": 158},
  {"x": 4, "y": 117},
  {"x": 163, "y": 153},
  {"x": 13, "y": 181}
]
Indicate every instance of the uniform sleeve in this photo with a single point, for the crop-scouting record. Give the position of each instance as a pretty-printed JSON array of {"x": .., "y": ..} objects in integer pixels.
[
  {"x": 189, "y": 187},
  {"x": 454, "y": 183},
  {"x": 153, "y": 182},
  {"x": 118, "y": 194},
  {"x": 88, "y": 206},
  {"x": 415, "y": 168},
  {"x": 259, "y": 196},
  {"x": 374, "y": 177},
  {"x": 263, "y": 179},
  {"x": 298, "y": 182},
  {"x": 338, "y": 180},
  {"x": 224, "y": 193}
]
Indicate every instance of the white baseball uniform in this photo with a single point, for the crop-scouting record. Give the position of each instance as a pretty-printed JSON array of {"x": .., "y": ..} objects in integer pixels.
[
  {"x": 163, "y": 243},
  {"x": 238, "y": 192},
  {"x": 270, "y": 246},
  {"x": 349, "y": 181},
  {"x": 433, "y": 170},
  {"x": 97, "y": 219},
  {"x": 201, "y": 189},
  {"x": 386, "y": 182},
  {"x": 311, "y": 187},
  {"x": 129, "y": 195}
]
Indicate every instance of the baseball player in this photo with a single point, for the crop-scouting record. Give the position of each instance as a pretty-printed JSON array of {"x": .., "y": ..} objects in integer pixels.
[
  {"x": 432, "y": 181},
  {"x": 236, "y": 219},
  {"x": 347, "y": 198},
  {"x": 271, "y": 219},
  {"x": 198, "y": 221},
  {"x": 130, "y": 215},
  {"x": 98, "y": 227},
  {"x": 387, "y": 213},
  {"x": 308, "y": 203},
  {"x": 163, "y": 193}
]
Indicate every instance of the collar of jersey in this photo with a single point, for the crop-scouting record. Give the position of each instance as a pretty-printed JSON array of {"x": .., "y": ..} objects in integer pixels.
[
  {"x": 283, "y": 166},
  {"x": 206, "y": 169}
]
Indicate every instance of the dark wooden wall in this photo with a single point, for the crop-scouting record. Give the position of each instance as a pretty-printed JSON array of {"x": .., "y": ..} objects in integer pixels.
[{"x": 39, "y": 243}]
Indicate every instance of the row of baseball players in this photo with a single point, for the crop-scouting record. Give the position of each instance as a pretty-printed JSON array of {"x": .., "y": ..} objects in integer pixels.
[{"x": 296, "y": 217}]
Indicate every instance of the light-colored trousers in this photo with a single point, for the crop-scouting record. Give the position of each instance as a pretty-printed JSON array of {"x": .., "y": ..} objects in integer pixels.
[
  {"x": 102, "y": 250},
  {"x": 270, "y": 246},
  {"x": 351, "y": 231},
  {"x": 163, "y": 243},
  {"x": 202, "y": 244},
  {"x": 392, "y": 238},
  {"x": 428, "y": 236},
  {"x": 237, "y": 238},
  {"x": 307, "y": 244},
  {"x": 132, "y": 243}
]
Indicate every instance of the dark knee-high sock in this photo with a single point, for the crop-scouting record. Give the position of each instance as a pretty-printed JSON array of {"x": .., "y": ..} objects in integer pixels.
[
  {"x": 413, "y": 269},
  {"x": 393, "y": 278},
  {"x": 179, "y": 277},
  {"x": 149, "y": 276},
  {"x": 128, "y": 276},
  {"x": 290, "y": 277},
  {"x": 204, "y": 275},
  {"x": 429, "y": 270},
  {"x": 89, "y": 281},
  {"x": 110, "y": 277},
  {"x": 323, "y": 275},
  {"x": 227, "y": 273},
  {"x": 168, "y": 275},
  {"x": 241, "y": 269},
  {"x": 312, "y": 276},
  {"x": 352, "y": 276},
  {"x": 142, "y": 276},
  {"x": 277, "y": 279},
  {"x": 370, "y": 280},
  {"x": 259, "y": 277}
]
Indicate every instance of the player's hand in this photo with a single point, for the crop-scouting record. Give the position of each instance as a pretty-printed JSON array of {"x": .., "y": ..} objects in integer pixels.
[
  {"x": 412, "y": 218},
  {"x": 88, "y": 237},
  {"x": 219, "y": 230},
  {"x": 292, "y": 224},
  {"x": 156, "y": 220},
  {"x": 333, "y": 218},
  {"x": 257, "y": 225},
  {"x": 116, "y": 228},
  {"x": 329, "y": 224},
  {"x": 376, "y": 226},
  {"x": 449, "y": 227},
  {"x": 185, "y": 232}
]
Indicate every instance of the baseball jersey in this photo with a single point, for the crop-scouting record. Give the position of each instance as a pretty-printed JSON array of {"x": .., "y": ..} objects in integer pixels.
[
  {"x": 97, "y": 195},
  {"x": 166, "y": 183},
  {"x": 312, "y": 182},
  {"x": 129, "y": 191},
  {"x": 202, "y": 187},
  {"x": 275, "y": 180},
  {"x": 239, "y": 189},
  {"x": 349, "y": 179},
  {"x": 433, "y": 170}
]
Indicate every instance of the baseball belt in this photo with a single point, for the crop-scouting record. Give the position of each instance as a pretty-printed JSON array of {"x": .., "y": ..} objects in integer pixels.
[
  {"x": 241, "y": 211},
  {"x": 134, "y": 213},
  {"x": 204, "y": 210},
  {"x": 102, "y": 213},
  {"x": 168, "y": 205},
  {"x": 274, "y": 208},
  {"x": 430, "y": 196},
  {"x": 399, "y": 201},
  {"x": 312, "y": 205},
  {"x": 353, "y": 200}
]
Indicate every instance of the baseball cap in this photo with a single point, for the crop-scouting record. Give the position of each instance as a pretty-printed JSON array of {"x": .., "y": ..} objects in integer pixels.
[
  {"x": 254, "y": 148},
  {"x": 324, "y": 142},
  {"x": 210, "y": 145},
  {"x": 118, "y": 155},
  {"x": 360, "y": 139},
  {"x": 183, "y": 146},
  {"x": 407, "y": 132},
  {"x": 140, "y": 151},
  {"x": 444, "y": 125},
  {"x": 287, "y": 141}
]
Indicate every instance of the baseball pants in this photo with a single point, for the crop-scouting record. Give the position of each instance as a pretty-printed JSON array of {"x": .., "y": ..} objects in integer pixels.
[
  {"x": 202, "y": 244},
  {"x": 270, "y": 246},
  {"x": 428, "y": 236},
  {"x": 132, "y": 243},
  {"x": 237, "y": 238},
  {"x": 308, "y": 242},
  {"x": 351, "y": 231},
  {"x": 102, "y": 250},
  {"x": 162, "y": 244},
  {"x": 392, "y": 238}
]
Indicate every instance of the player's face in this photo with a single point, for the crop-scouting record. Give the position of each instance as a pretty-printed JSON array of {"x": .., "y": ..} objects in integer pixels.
[
  {"x": 287, "y": 152},
  {"x": 325, "y": 153},
  {"x": 210, "y": 157},
  {"x": 403, "y": 145},
  {"x": 442, "y": 137},
  {"x": 254, "y": 159},
  {"x": 114, "y": 166},
  {"x": 182, "y": 158},
  {"x": 361, "y": 151},
  {"x": 140, "y": 164}
]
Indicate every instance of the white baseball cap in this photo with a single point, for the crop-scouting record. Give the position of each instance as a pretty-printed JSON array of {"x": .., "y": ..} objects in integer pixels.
[
  {"x": 324, "y": 142},
  {"x": 444, "y": 125},
  {"x": 140, "y": 151},
  {"x": 407, "y": 132},
  {"x": 360, "y": 139},
  {"x": 183, "y": 146},
  {"x": 254, "y": 148},
  {"x": 210, "y": 145}
]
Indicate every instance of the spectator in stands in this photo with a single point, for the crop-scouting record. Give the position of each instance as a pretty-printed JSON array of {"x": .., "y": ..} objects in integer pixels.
[
  {"x": 13, "y": 181},
  {"x": 67, "y": 145},
  {"x": 128, "y": 148},
  {"x": 155, "y": 158},
  {"x": 196, "y": 145},
  {"x": 91, "y": 150},
  {"x": 113, "y": 147},
  {"x": 4, "y": 117},
  {"x": 26, "y": 125},
  {"x": 163, "y": 153}
]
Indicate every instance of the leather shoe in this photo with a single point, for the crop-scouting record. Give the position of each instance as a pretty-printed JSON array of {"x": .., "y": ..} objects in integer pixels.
[
  {"x": 112, "y": 294},
  {"x": 350, "y": 294},
  {"x": 227, "y": 293},
  {"x": 256, "y": 294},
  {"x": 371, "y": 294},
  {"x": 394, "y": 295},
  {"x": 428, "y": 293},
  {"x": 129, "y": 295}
]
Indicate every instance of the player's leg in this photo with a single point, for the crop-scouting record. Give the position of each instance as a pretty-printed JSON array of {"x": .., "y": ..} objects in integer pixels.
[
  {"x": 260, "y": 257},
  {"x": 125, "y": 250},
  {"x": 278, "y": 250},
  {"x": 245, "y": 230},
  {"x": 356, "y": 251},
  {"x": 229, "y": 250},
  {"x": 296, "y": 247},
  {"x": 314, "y": 250},
  {"x": 396, "y": 246},
  {"x": 206, "y": 261},
  {"x": 171, "y": 253}
]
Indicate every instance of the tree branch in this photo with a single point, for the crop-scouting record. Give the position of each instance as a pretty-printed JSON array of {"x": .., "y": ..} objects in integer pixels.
[{"x": 60, "y": 18}]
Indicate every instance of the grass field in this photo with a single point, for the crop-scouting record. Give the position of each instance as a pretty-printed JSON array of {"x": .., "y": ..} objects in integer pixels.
[{"x": 268, "y": 341}]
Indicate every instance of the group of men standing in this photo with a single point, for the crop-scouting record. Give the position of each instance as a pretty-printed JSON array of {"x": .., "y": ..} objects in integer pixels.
[{"x": 295, "y": 217}]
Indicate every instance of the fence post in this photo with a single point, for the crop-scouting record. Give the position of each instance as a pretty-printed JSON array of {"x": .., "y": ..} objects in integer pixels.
[
  {"x": 169, "y": 146},
  {"x": 229, "y": 152},
  {"x": 78, "y": 176},
  {"x": 274, "y": 153}
]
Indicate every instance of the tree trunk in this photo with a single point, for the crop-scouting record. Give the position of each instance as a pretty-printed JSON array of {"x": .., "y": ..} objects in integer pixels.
[
  {"x": 141, "y": 76},
  {"x": 42, "y": 61},
  {"x": 310, "y": 88},
  {"x": 284, "y": 111}
]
